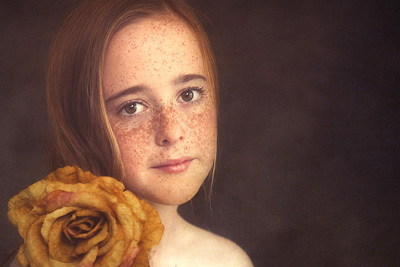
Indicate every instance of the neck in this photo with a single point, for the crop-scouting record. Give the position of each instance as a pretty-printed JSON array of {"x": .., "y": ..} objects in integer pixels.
[
  {"x": 170, "y": 219},
  {"x": 172, "y": 229}
]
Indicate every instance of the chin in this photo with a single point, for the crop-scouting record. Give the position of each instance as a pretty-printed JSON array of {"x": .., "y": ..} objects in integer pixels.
[
  {"x": 171, "y": 198},
  {"x": 169, "y": 190},
  {"x": 166, "y": 196}
]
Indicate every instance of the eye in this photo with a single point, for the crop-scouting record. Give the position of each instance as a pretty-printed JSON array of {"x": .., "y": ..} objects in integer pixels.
[
  {"x": 187, "y": 95},
  {"x": 132, "y": 108},
  {"x": 191, "y": 94}
]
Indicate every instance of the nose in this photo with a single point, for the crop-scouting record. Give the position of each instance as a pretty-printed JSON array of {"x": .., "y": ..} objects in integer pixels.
[{"x": 169, "y": 128}]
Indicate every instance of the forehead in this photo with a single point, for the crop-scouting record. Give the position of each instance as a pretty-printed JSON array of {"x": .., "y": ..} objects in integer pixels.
[
  {"x": 167, "y": 26},
  {"x": 151, "y": 51},
  {"x": 146, "y": 42}
]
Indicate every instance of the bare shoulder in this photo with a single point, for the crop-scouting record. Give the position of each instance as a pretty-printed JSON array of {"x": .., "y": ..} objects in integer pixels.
[{"x": 216, "y": 250}]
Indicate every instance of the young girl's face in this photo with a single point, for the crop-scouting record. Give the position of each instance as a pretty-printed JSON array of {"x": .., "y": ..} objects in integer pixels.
[{"x": 159, "y": 103}]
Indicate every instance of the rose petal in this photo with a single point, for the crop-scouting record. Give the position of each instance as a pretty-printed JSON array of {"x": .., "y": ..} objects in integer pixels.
[
  {"x": 76, "y": 220},
  {"x": 151, "y": 235},
  {"x": 35, "y": 247},
  {"x": 103, "y": 187},
  {"x": 56, "y": 200},
  {"x": 85, "y": 245},
  {"x": 129, "y": 256},
  {"x": 55, "y": 263},
  {"x": 84, "y": 227},
  {"x": 135, "y": 205},
  {"x": 115, "y": 254},
  {"x": 131, "y": 227},
  {"x": 21, "y": 256},
  {"x": 88, "y": 213},
  {"x": 71, "y": 175},
  {"x": 60, "y": 248},
  {"x": 51, "y": 218},
  {"x": 109, "y": 185},
  {"x": 84, "y": 199},
  {"x": 21, "y": 205},
  {"x": 64, "y": 229},
  {"x": 26, "y": 222},
  {"x": 89, "y": 258}
]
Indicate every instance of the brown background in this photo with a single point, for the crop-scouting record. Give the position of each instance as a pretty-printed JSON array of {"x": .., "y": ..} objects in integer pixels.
[{"x": 308, "y": 132}]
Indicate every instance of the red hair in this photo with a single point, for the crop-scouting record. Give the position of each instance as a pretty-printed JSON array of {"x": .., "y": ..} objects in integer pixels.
[{"x": 81, "y": 132}]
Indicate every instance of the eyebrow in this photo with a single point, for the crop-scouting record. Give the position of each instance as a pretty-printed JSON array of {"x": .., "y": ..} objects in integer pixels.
[
  {"x": 188, "y": 77},
  {"x": 128, "y": 91}
]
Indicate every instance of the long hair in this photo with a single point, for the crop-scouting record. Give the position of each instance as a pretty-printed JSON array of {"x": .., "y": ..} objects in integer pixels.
[{"x": 81, "y": 132}]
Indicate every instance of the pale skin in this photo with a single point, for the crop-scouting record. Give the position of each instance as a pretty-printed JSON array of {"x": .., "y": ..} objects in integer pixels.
[{"x": 161, "y": 110}]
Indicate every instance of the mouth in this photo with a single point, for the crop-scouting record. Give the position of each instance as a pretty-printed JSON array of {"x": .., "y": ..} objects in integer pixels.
[{"x": 174, "y": 165}]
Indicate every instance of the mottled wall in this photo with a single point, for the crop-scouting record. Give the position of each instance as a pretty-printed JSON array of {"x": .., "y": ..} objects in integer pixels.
[{"x": 308, "y": 132}]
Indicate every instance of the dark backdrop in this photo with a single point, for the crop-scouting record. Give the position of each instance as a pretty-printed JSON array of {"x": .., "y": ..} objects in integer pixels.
[{"x": 308, "y": 131}]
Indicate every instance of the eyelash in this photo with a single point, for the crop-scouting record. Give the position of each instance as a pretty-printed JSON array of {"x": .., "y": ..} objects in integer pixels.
[
  {"x": 198, "y": 90},
  {"x": 125, "y": 105}
]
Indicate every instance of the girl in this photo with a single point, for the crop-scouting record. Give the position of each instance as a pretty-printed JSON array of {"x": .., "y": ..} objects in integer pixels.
[{"x": 132, "y": 94}]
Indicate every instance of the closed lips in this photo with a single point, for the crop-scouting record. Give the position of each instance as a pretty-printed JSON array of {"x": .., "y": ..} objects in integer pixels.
[
  {"x": 175, "y": 165},
  {"x": 173, "y": 162}
]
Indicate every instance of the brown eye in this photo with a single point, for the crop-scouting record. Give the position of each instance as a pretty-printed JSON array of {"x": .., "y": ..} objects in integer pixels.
[
  {"x": 130, "y": 108},
  {"x": 187, "y": 95},
  {"x": 191, "y": 94}
]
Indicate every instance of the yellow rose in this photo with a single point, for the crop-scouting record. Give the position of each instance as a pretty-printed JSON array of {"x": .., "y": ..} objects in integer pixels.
[{"x": 73, "y": 218}]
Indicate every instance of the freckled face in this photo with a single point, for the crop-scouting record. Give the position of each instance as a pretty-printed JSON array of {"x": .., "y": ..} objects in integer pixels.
[{"x": 159, "y": 103}]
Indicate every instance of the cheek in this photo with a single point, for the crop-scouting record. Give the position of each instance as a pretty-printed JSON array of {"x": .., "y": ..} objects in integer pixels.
[
  {"x": 202, "y": 129},
  {"x": 134, "y": 142}
]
